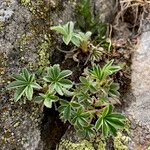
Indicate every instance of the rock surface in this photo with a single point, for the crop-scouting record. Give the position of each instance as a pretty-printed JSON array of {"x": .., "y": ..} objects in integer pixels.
[
  {"x": 19, "y": 123},
  {"x": 106, "y": 9},
  {"x": 139, "y": 110},
  {"x": 25, "y": 41}
]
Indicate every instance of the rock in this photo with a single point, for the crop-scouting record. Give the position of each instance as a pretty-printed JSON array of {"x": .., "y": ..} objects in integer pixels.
[
  {"x": 65, "y": 13},
  {"x": 25, "y": 41},
  {"x": 6, "y": 9},
  {"x": 19, "y": 122},
  {"x": 139, "y": 109},
  {"x": 105, "y": 9}
]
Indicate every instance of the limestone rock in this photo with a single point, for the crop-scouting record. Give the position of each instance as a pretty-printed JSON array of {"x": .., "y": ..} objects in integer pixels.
[
  {"x": 139, "y": 109},
  {"x": 106, "y": 9}
]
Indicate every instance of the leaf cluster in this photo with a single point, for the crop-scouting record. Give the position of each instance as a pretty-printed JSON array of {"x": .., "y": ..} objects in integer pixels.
[
  {"x": 79, "y": 39},
  {"x": 85, "y": 105},
  {"x": 24, "y": 84},
  {"x": 86, "y": 21}
]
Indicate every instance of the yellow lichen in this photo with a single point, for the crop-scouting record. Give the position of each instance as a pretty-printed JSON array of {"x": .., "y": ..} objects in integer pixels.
[
  {"x": 25, "y": 2},
  {"x": 83, "y": 144},
  {"x": 39, "y": 12},
  {"x": 43, "y": 54},
  {"x": 120, "y": 141},
  {"x": 1, "y": 25},
  {"x": 68, "y": 145},
  {"x": 101, "y": 143}
]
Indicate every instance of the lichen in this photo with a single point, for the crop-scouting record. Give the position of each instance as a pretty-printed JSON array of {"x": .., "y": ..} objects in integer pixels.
[
  {"x": 42, "y": 51},
  {"x": 37, "y": 38},
  {"x": 83, "y": 144},
  {"x": 25, "y": 2},
  {"x": 1, "y": 25},
  {"x": 68, "y": 145},
  {"x": 101, "y": 143},
  {"x": 121, "y": 141},
  {"x": 122, "y": 138}
]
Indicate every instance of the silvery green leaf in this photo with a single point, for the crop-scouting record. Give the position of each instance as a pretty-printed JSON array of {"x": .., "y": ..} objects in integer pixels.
[
  {"x": 59, "y": 29},
  {"x": 48, "y": 103},
  {"x": 19, "y": 92},
  {"x": 24, "y": 84},
  {"x": 29, "y": 92}
]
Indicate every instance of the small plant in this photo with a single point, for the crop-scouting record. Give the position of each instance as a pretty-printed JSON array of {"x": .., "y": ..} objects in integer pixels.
[
  {"x": 66, "y": 30},
  {"x": 57, "y": 79},
  {"x": 85, "y": 105},
  {"x": 79, "y": 39},
  {"x": 24, "y": 84},
  {"x": 109, "y": 121},
  {"x": 87, "y": 22}
]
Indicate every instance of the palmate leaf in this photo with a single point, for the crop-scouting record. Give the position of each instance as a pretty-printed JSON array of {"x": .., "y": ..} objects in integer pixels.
[
  {"x": 59, "y": 29},
  {"x": 19, "y": 92},
  {"x": 86, "y": 132},
  {"x": 96, "y": 72},
  {"x": 29, "y": 92},
  {"x": 65, "y": 73},
  {"x": 24, "y": 84},
  {"x": 109, "y": 69},
  {"x": 48, "y": 98},
  {"x": 76, "y": 40},
  {"x": 109, "y": 122},
  {"x": 83, "y": 97},
  {"x": 79, "y": 118},
  {"x": 84, "y": 37},
  {"x": 65, "y": 109},
  {"x": 69, "y": 34},
  {"x": 101, "y": 73},
  {"x": 113, "y": 90},
  {"x": 69, "y": 27},
  {"x": 66, "y": 30},
  {"x": 96, "y": 54},
  {"x": 87, "y": 84},
  {"x": 17, "y": 84},
  {"x": 57, "y": 80}
]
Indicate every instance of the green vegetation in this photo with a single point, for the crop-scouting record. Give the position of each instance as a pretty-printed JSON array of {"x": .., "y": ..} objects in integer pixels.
[
  {"x": 79, "y": 39},
  {"x": 87, "y": 22},
  {"x": 109, "y": 121},
  {"x": 85, "y": 105},
  {"x": 24, "y": 84},
  {"x": 57, "y": 79}
]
